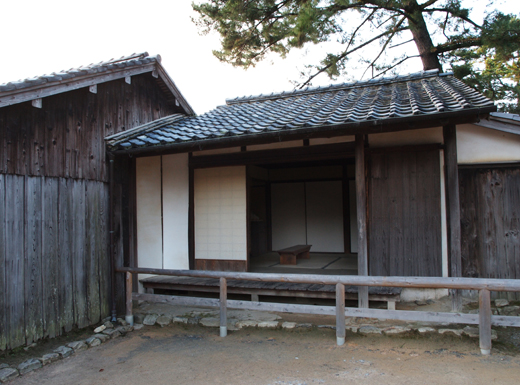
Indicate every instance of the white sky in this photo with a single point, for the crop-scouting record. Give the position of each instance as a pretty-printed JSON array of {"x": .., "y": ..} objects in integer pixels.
[{"x": 43, "y": 36}]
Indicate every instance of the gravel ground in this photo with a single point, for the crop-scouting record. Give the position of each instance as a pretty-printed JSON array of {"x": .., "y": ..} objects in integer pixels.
[{"x": 189, "y": 354}]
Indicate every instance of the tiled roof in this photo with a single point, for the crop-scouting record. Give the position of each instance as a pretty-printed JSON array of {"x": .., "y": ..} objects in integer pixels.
[
  {"x": 334, "y": 107},
  {"x": 91, "y": 69},
  {"x": 84, "y": 76}
]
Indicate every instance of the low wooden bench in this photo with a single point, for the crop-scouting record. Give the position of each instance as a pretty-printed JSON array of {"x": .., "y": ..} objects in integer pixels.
[{"x": 289, "y": 255}]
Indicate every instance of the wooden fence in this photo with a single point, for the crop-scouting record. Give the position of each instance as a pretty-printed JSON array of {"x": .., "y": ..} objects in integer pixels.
[
  {"x": 54, "y": 260},
  {"x": 484, "y": 319}
]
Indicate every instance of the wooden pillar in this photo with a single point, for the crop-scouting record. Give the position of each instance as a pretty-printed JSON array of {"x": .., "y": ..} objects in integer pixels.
[
  {"x": 129, "y": 311},
  {"x": 223, "y": 307},
  {"x": 484, "y": 323},
  {"x": 361, "y": 202},
  {"x": 453, "y": 209},
  {"x": 340, "y": 314}
]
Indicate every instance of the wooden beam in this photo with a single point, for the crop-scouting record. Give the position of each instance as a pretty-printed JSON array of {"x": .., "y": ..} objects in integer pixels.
[
  {"x": 361, "y": 203},
  {"x": 37, "y": 103},
  {"x": 223, "y": 307},
  {"x": 93, "y": 88},
  {"x": 129, "y": 312},
  {"x": 485, "y": 322},
  {"x": 453, "y": 209},
  {"x": 340, "y": 314}
]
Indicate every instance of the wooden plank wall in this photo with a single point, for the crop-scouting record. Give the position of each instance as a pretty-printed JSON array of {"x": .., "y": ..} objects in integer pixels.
[
  {"x": 405, "y": 213},
  {"x": 54, "y": 265},
  {"x": 490, "y": 223},
  {"x": 54, "y": 236}
]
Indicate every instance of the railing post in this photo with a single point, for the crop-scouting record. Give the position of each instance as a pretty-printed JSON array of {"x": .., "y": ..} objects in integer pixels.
[
  {"x": 484, "y": 323},
  {"x": 340, "y": 314},
  {"x": 223, "y": 307},
  {"x": 129, "y": 315}
]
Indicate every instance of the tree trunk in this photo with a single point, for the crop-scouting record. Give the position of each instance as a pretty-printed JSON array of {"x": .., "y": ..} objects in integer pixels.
[{"x": 421, "y": 36}]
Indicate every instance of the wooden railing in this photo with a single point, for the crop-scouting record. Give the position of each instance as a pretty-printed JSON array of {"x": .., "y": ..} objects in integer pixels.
[{"x": 484, "y": 319}]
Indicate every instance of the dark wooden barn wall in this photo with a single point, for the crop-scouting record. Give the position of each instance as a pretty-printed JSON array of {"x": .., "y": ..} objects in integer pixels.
[
  {"x": 54, "y": 261},
  {"x": 405, "y": 214},
  {"x": 65, "y": 137},
  {"x": 490, "y": 223}
]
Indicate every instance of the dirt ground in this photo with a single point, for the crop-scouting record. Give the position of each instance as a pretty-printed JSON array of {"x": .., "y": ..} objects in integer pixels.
[{"x": 186, "y": 354}]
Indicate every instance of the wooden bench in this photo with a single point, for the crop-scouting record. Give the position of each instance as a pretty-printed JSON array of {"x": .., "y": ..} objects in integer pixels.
[{"x": 289, "y": 255}]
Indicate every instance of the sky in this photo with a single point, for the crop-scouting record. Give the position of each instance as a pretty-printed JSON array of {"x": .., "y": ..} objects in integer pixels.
[{"x": 44, "y": 36}]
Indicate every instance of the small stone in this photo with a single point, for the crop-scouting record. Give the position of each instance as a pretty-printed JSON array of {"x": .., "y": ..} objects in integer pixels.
[
  {"x": 78, "y": 346},
  {"x": 100, "y": 329},
  {"x": 64, "y": 351},
  {"x": 122, "y": 322},
  {"x": 150, "y": 319},
  {"x": 426, "y": 330},
  {"x": 366, "y": 330},
  {"x": 510, "y": 310},
  {"x": 33, "y": 345},
  {"x": 8, "y": 374},
  {"x": 501, "y": 302},
  {"x": 50, "y": 357},
  {"x": 396, "y": 330},
  {"x": 268, "y": 324},
  {"x": 494, "y": 335},
  {"x": 246, "y": 324},
  {"x": 112, "y": 333},
  {"x": 29, "y": 365},
  {"x": 182, "y": 320},
  {"x": 127, "y": 328},
  {"x": 138, "y": 326},
  {"x": 106, "y": 319},
  {"x": 327, "y": 327},
  {"x": 210, "y": 322},
  {"x": 288, "y": 325},
  {"x": 93, "y": 341},
  {"x": 163, "y": 321},
  {"x": 457, "y": 332},
  {"x": 421, "y": 302},
  {"x": 101, "y": 337},
  {"x": 138, "y": 318},
  {"x": 471, "y": 332},
  {"x": 193, "y": 320},
  {"x": 3, "y": 366},
  {"x": 108, "y": 325},
  {"x": 353, "y": 329},
  {"x": 304, "y": 326}
]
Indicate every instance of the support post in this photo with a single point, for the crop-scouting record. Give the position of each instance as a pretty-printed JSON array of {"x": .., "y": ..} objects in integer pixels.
[
  {"x": 484, "y": 322},
  {"x": 111, "y": 246},
  {"x": 340, "y": 314},
  {"x": 129, "y": 311},
  {"x": 223, "y": 307},
  {"x": 453, "y": 210},
  {"x": 361, "y": 204}
]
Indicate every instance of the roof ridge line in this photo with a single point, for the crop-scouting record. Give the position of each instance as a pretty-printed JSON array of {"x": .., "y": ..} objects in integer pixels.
[{"x": 334, "y": 87}]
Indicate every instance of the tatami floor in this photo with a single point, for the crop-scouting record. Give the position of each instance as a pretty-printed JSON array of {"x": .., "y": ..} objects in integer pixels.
[{"x": 318, "y": 263}]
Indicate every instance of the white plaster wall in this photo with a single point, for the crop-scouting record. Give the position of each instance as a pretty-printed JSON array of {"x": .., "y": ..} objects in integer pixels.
[
  {"x": 276, "y": 145},
  {"x": 148, "y": 201},
  {"x": 476, "y": 144},
  {"x": 405, "y": 138},
  {"x": 220, "y": 213},
  {"x": 336, "y": 139},
  {"x": 175, "y": 211},
  {"x": 227, "y": 150}
]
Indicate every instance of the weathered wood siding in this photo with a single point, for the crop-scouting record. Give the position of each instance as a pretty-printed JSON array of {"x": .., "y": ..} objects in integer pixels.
[
  {"x": 405, "y": 214},
  {"x": 54, "y": 206},
  {"x": 51, "y": 261},
  {"x": 490, "y": 223},
  {"x": 65, "y": 137}
]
